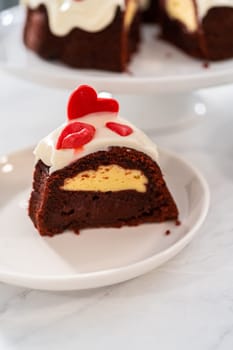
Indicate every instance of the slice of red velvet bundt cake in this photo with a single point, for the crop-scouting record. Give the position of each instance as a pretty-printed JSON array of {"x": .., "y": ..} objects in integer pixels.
[{"x": 97, "y": 170}]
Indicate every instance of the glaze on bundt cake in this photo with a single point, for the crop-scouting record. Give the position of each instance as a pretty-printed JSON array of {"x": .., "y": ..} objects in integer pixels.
[
  {"x": 99, "y": 34},
  {"x": 97, "y": 170}
]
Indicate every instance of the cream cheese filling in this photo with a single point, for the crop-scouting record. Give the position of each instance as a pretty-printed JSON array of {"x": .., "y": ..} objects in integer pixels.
[{"x": 107, "y": 178}]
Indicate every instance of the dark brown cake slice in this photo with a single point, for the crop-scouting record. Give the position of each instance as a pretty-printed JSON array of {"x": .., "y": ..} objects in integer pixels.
[
  {"x": 97, "y": 170},
  {"x": 203, "y": 33},
  {"x": 54, "y": 209},
  {"x": 107, "y": 47}
]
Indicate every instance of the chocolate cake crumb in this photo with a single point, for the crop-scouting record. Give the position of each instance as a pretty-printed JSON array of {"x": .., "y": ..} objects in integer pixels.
[
  {"x": 206, "y": 65},
  {"x": 178, "y": 222},
  {"x": 76, "y": 232},
  {"x": 167, "y": 232}
]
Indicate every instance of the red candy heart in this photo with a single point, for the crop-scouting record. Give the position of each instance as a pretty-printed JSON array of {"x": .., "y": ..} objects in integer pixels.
[
  {"x": 84, "y": 100},
  {"x": 75, "y": 135},
  {"x": 120, "y": 129}
]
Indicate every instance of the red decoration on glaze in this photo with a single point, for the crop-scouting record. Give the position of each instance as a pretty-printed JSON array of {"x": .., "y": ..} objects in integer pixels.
[
  {"x": 75, "y": 135},
  {"x": 84, "y": 100},
  {"x": 120, "y": 129}
]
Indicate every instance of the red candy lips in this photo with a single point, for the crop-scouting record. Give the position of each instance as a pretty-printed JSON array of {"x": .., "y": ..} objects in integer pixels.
[
  {"x": 75, "y": 135},
  {"x": 84, "y": 100},
  {"x": 120, "y": 129}
]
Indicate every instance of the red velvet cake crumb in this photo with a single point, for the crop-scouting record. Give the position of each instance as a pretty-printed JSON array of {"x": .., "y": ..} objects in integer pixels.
[{"x": 206, "y": 65}]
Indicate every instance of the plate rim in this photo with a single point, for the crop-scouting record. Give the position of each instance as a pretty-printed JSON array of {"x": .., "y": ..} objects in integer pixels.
[
  {"x": 130, "y": 85},
  {"x": 88, "y": 280}
]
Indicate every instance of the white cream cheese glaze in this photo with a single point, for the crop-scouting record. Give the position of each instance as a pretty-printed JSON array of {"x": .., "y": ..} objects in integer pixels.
[
  {"x": 185, "y": 11},
  {"x": 104, "y": 138},
  {"x": 89, "y": 15}
]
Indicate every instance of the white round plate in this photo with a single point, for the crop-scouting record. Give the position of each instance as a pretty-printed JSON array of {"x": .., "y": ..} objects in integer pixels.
[
  {"x": 158, "y": 67},
  {"x": 96, "y": 257}
]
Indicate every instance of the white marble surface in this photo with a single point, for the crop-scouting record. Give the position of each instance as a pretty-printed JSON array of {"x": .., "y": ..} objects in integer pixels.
[{"x": 185, "y": 304}]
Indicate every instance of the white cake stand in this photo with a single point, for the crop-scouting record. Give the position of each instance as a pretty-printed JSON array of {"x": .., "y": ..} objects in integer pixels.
[{"x": 162, "y": 79}]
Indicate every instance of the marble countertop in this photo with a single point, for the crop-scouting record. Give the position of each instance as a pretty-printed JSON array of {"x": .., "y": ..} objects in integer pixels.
[{"x": 185, "y": 304}]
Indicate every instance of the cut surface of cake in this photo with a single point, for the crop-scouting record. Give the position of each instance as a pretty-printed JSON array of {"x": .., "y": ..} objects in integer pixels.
[
  {"x": 98, "y": 34},
  {"x": 202, "y": 28},
  {"x": 97, "y": 170}
]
